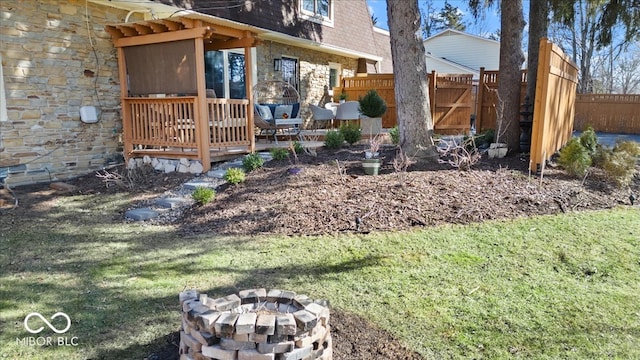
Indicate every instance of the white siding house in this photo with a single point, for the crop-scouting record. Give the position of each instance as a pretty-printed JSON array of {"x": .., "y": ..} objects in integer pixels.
[{"x": 453, "y": 51}]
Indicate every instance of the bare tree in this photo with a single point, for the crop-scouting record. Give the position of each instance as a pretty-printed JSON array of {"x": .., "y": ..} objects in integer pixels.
[
  {"x": 617, "y": 73},
  {"x": 538, "y": 29},
  {"x": 415, "y": 124},
  {"x": 511, "y": 59}
]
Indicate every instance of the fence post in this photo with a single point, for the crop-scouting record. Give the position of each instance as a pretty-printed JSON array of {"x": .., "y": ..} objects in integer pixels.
[
  {"x": 432, "y": 95},
  {"x": 480, "y": 101},
  {"x": 539, "y": 107}
]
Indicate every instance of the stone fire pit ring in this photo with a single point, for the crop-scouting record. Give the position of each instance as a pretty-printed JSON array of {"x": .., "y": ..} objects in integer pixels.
[{"x": 255, "y": 324}]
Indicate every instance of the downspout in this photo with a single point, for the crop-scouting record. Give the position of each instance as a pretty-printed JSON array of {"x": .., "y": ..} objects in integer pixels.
[{"x": 153, "y": 13}]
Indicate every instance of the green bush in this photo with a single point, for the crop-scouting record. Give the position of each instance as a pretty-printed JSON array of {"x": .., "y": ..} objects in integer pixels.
[
  {"x": 485, "y": 138},
  {"x": 619, "y": 163},
  {"x": 252, "y": 162},
  {"x": 575, "y": 158},
  {"x": 298, "y": 147},
  {"x": 372, "y": 104},
  {"x": 589, "y": 140},
  {"x": 351, "y": 133},
  {"x": 203, "y": 195},
  {"x": 234, "y": 176},
  {"x": 631, "y": 147},
  {"x": 279, "y": 153},
  {"x": 394, "y": 133},
  {"x": 333, "y": 139}
]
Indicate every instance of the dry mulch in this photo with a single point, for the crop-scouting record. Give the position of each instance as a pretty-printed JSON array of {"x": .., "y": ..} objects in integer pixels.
[{"x": 332, "y": 195}]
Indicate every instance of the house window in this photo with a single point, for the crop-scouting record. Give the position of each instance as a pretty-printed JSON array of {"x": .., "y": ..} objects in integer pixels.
[
  {"x": 290, "y": 72},
  {"x": 225, "y": 73},
  {"x": 335, "y": 70},
  {"x": 317, "y": 8}
]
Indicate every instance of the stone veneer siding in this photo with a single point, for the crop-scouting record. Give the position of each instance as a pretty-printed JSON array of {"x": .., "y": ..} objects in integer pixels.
[
  {"x": 50, "y": 71},
  {"x": 313, "y": 68}
]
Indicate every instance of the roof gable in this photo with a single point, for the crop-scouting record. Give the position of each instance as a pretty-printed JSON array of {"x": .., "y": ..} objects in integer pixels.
[{"x": 453, "y": 32}]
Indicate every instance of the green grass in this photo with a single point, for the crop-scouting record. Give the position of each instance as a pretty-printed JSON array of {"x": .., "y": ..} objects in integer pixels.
[{"x": 546, "y": 288}]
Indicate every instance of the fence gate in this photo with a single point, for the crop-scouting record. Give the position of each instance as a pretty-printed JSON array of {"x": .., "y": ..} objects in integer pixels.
[{"x": 451, "y": 102}]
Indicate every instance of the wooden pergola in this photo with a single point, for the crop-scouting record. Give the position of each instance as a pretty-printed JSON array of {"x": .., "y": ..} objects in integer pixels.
[{"x": 165, "y": 108}]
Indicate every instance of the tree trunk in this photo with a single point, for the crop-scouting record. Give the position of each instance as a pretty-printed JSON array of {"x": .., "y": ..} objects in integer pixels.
[
  {"x": 538, "y": 28},
  {"x": 509, "y": 83},
  {"x": 411, "y": 87}
]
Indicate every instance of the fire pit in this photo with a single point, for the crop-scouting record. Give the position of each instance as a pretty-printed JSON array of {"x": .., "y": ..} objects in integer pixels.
[{"x": 254, "y": 324}]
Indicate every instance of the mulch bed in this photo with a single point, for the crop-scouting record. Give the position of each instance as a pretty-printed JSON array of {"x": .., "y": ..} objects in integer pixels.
[{"x": 332, "y": 195}]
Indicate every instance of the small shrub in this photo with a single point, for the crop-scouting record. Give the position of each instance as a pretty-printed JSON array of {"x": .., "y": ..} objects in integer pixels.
[
  {"x": 234, "y": 176},
  {"x": 485, "y": 138},
  {"x": 279, "y": 153},
  {"x": 589, "y": 140},
  {"x": 333, "y": 139},
  {"x": 351, "y": 133},
  {"x": 372, "y": 104},
  {"x": 619, "y": 163},
  {"x": 394, "y": 133},
  {"x": 203, "y": 195},
  {"x": 631, "y": 147},
  {"x": 252, "y": 162},
  {"x": 574, "y": 158},
  {"x": 298, "y": 147}
]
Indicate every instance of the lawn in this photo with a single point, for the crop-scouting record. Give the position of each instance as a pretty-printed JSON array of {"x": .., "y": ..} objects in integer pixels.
[{"x": 549, "y": 287}]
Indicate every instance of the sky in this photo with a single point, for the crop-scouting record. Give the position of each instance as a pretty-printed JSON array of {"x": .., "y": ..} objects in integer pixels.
[{"x": 483, "y": 27}]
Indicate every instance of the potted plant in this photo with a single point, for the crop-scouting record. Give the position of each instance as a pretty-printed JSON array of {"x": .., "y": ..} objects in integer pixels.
[
  {"x": 343, "y": 97},
  {"x": 372, "y": 107},
  {"x": 371, "y": 162}
]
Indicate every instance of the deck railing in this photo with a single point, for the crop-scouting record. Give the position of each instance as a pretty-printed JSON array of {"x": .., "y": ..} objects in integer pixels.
[
  {"x": 228, "y": 122},
  {"x": 162, "y": 122},
  {"x": 173, "y": 126}
]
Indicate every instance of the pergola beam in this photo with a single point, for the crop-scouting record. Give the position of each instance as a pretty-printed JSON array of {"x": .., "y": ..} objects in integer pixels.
[
  {"x": 161, "y": 37},
  {"x": 231, "y": 44}
]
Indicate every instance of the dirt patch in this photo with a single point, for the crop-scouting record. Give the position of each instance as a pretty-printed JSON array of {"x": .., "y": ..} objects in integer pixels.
[{"x": 332, "y": 195}]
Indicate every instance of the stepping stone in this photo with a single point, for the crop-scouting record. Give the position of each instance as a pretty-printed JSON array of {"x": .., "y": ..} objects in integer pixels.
[
  {"x": 232, "y": 164},
  {"x": 192, "y": 185},
  {"x": 141, "y": 214},
  {"x": 266, "y": 156},
  {"x": 171, "y": 203},
  {"x": 218, "y": 174}
]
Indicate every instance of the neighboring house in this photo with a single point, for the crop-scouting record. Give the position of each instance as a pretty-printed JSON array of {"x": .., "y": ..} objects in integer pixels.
[
  {"x": 57, "y": 57},
  {"x": 456, "y": 52}
]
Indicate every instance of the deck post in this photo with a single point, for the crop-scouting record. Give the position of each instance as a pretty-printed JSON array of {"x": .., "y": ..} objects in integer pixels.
[
  {"x": 248, "y": 82},
  {"x": 201, "y": 113},
  {"x": 127, "y": 121}
]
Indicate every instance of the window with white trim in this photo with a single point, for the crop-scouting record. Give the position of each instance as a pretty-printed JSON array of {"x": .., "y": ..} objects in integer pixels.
[
  {"x": 335, "y": 70},
  {"x": 224, "y": 73},
  {"x": 317, "y": 8}
]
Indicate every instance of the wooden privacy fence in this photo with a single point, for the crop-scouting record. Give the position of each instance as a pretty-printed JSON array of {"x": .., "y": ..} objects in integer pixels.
[
  {"x": 554, "y": 106},
  {"x": 613, "y": 113},
  {"x": 450, "y": 97},
  {"x": 488, "y": 97},
  {"x": 356, "y": 87}
]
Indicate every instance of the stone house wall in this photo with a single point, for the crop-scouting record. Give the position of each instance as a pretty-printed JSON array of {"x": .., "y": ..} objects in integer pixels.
[{"x": 50, "y": 70}]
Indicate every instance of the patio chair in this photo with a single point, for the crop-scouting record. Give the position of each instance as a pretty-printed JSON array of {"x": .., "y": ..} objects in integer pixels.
[
  {"x": 277, "y": 108},
  {"x": 348, "y": 111},
  {"x": 320, "y": 115}
]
